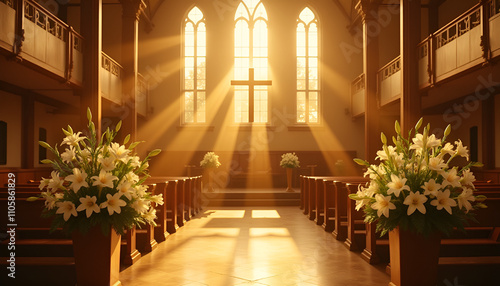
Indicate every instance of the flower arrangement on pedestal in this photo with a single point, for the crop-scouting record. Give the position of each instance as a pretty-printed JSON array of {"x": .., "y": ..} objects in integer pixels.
[
  {"x": 209, "y": 163},
  {"x": 289, "y": 160},
  {"x": 210, "y": 160},
  {"x": 97, "y": 183},
  {"x": 415, "y": 194},
  {"x": 415, "y": 186}
]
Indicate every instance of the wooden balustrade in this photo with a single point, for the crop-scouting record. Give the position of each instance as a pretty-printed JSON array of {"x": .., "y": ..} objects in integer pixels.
[
  {"x": 358, "y": 96},
  {"x": 389, "y": 78}
]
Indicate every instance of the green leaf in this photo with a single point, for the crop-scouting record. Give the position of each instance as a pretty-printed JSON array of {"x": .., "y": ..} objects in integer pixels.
[
  {"x": 447, "y": 131},
  {"x": 125, "y": 141},
  {"x": 477, "y": 164},
  {"x": 45, "y": 145},
  {"x": 383, "y": 138},
  {"x": 361, "y": 162},
  {"x": 89, "y": 114},
  {"x": 419, "y": 123},
  {"x": 32, "y": 199},
  {"x": 154, "y": 152},
  {"x": 118, "y": 126},
  {"x": 133, "y": 145}
]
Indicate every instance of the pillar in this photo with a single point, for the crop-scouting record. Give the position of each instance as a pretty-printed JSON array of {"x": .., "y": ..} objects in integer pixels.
[
  {"x": 130, "y": 31},
  {"x": 91, "y": 29},
  {"x": 410, "y": 105},
  {"x": 368, "y": 10}
]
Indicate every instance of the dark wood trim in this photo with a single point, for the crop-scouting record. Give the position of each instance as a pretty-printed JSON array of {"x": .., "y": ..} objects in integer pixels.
[{"x": 62, "y": 107}]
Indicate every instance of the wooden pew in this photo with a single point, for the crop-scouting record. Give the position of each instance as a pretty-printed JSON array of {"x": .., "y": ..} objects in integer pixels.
[
  {"x": 358, "y": 231},
  {"x": 146, "y": 235},
  {"x": 38, "y": 251},
  {"x": 335, "y": 198},
  {"x": 304, "y": 194}
]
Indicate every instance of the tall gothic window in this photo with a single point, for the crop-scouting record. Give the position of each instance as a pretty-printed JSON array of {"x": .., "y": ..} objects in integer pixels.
[
  {"x": 250, "y": 52},
  {"x": 194, "y": 67},
  {"x": 308, "y": 93}
]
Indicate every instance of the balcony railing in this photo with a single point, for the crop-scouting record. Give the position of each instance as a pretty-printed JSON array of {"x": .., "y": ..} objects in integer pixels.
[
  {"x": 389, "y": 82},
  {"x": 495, "y": 28},
  {"x": 358, "y": 96},
  {"x": 48, "y": 42},
  {"x": 111, "y": 79}
]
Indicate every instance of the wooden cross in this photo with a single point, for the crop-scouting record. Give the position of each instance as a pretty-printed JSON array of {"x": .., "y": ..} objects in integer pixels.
[{"x": 251, "y": 82}]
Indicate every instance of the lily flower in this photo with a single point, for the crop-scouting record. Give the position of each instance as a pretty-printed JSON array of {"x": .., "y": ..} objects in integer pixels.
[
  {"x": 66, "y": 208},
  {"x": 396, "y": 185},
  {"x": 113, "y": 203},
  {"x": 73, "y": 139},
  {"x": 415, "y": 201},
  {"x": 443, "y": 200},
  {"x": 77, "y": 179},
  {"x": 55, "y": 183},
  {"x": 383, "y": 205},
  {"x": 467, "y": 178},
  {"x": 450, "y": 178},
  {"x": 125, "y": 189},
  {"x": 462, "y": 150},
  {"x": 431, "y": 188},
  {"x": 107, "y": 164},
  {"x": 140, "y": 206},
  {"x": 119, "y": 152},
  {"x": 464, "y": 198},
  {"x": 69, "y": 154},
  {"x": 436, "y": 164},
  {"x": 104, "y": 179},
  {"x": 89, "y": 205}
]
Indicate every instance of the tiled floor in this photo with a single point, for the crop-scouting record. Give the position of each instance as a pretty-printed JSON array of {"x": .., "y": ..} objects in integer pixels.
[{"x": 252, "y": 246}]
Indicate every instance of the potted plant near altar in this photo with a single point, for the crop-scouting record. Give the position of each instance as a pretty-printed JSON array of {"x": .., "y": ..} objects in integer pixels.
[
  {"x": 289, "y": 161},
  {"x": 416, "y": 194},
  {"x": 95, "y": 193},
  {"x": 210, "y": 162}
]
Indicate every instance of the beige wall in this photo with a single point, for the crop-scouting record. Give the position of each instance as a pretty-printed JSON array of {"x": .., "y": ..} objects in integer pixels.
[
  {"x": 53, "y": 123},
  {"x": 44, "y": 118},
  {"x": 160, "y": 53},
  {"x": 10, "y": 112}
]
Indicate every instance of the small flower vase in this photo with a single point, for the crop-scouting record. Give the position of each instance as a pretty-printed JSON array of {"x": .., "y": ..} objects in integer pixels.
[
  {"x": 414, "y": 258},
  {"x": 289, "y": 172},
  {"x": 97, "y": 257}
]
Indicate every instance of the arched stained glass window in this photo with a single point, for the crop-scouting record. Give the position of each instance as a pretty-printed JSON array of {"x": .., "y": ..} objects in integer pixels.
[
  {"x": 308, "y": 92},
  {"x": 194, "y": 92},
  {"x": 251, "y": 63}
]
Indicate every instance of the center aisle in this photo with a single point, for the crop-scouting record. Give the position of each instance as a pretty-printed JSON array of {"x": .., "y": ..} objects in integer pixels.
[{"x": 252, "y": 246}]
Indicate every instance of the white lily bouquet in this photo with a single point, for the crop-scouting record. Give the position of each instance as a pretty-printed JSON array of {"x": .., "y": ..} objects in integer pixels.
[
  {"x": 416, "y": 188},
  {"x": 289, "y": 160},
  {"x": 210, "y": 160},
  {"x": 97, "y": 183}
]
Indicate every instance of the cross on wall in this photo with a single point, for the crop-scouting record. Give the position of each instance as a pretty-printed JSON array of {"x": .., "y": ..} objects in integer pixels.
[{"x": 251, "y": 83}]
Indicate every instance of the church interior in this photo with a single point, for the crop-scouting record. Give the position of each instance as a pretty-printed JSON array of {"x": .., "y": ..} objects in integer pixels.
[{"x": 249, "y": 80}]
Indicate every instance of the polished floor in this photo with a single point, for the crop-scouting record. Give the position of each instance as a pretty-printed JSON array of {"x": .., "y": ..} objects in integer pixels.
[{"x": 252, "y": 246}]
